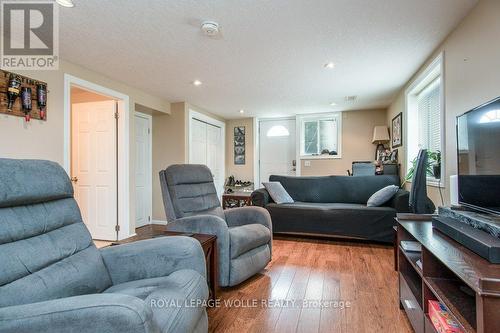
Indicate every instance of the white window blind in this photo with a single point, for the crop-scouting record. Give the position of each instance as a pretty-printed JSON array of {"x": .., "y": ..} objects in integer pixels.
[{"x": 429, "y": 116}]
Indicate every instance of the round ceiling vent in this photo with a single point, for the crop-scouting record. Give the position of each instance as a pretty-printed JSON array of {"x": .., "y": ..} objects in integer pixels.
[{"x": 210, "y": 28}]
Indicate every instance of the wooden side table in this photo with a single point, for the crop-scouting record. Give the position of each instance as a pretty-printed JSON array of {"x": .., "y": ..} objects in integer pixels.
[
  {"x": 236, "y": 199},
  {"x": 208, "y": 243}
]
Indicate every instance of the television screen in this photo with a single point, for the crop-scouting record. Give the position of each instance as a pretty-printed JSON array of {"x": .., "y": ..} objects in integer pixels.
[{"x": 478, "y": 135}]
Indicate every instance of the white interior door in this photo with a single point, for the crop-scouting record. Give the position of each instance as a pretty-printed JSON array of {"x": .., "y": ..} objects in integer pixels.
[
  {"x": 93, "y": 166},
  {"x": 213, "y": 156},
  {"x": 198, "y": 145},
  {"x": 276, "y": 148},
  {"x": 143, "y": 192},
  {"x": 206, "y": 148}
]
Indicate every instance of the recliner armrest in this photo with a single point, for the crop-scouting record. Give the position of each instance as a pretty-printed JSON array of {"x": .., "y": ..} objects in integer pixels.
[
  {"x": 261, "y": 197},
  {"x": 87, "y": 313},
  {"x": 153, "y": 258},
  {"x": 248, "y": 215},
  {"x": 211, "y": 225},
  {"x": 400, "y": 201}
]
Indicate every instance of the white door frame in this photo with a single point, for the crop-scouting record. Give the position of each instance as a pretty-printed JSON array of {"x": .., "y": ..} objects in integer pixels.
[
  {"x": 212, "y": 121},
  {"x": 150, "y": 162},
  {"x": 123, "y": 199},
  {"x": 256, "y": 144}
]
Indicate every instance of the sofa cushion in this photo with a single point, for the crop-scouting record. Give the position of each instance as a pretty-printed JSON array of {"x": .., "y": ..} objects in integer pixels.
[
  {"x": 382, "y": 196},
  {"x": 278, "y": 192},
  {"x": 336, "y": 219},
  {"x": 247, "y": 237},
  {"x": 170, "y": 298}
]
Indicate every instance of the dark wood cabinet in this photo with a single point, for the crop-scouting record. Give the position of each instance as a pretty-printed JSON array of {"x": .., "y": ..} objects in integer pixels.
[{"x": 466, "y": 284}]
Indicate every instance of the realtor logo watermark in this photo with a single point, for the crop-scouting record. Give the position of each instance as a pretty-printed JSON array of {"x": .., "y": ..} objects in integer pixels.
[{"x": 30, "y": 35}]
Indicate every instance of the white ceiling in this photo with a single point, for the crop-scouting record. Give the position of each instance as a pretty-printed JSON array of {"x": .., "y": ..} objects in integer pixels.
[{"x": 270, "y": 59}]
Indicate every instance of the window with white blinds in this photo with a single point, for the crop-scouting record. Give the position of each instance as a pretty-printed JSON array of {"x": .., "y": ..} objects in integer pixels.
[
  {"x": 424, "y": 114},
  {"x": 429, "y": 116}
]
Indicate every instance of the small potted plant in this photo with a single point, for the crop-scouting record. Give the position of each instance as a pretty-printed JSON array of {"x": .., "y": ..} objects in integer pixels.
[
  {"x": 435, "y": 159},
  {"x": 433, "y": 166}
]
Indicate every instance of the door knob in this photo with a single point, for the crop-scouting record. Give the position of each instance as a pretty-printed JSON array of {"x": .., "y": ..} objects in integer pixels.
[{"x": 74, "y": 179}]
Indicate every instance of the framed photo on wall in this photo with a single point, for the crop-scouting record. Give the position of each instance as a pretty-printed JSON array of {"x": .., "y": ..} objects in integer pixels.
[
  {"x": 239, "y": 145},
  {"x": 397, "y": 131}
]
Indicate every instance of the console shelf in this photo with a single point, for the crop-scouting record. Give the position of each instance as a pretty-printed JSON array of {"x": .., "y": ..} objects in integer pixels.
[{"x": 466, "y": 284}]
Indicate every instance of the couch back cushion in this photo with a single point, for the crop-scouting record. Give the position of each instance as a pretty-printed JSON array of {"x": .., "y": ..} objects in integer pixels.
[
  {"x": 335, "y": 189},
  {"x": 46, "y": 252},
  {"x": 188, "y": 189}
]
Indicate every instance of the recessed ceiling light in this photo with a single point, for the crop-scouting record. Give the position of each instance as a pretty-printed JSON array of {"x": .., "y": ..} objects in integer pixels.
[
  {"x": 329, "y": 65},
  {"x": 242, "y": 111},
  {"x": 197, "y": 83},
  {"x": 66, "y": 3},
  {"x": 333, "y": 103}
]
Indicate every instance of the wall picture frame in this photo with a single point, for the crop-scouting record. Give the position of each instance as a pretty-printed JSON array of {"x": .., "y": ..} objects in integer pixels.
[
  {"x": 397, "y": 131},
  {"x": 239, "y": 145}
]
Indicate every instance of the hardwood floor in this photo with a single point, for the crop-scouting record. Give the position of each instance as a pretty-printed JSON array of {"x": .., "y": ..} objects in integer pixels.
[
  {"x": 304, "y": 269},
  {"x": 315, "y": 270}
]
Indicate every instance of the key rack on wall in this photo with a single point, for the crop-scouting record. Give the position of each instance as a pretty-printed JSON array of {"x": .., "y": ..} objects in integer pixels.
[{"x": 17, "y": 108}]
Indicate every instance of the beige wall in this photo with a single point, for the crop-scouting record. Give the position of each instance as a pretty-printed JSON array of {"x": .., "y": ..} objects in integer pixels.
[
  {"x": 45, "y": 139},
  {"x": 357, "y": 135},
  {"x": 84, "y": 96},
  {"x": 170, "y": 146},
  {"x": 242, "y": 172},
  {"x": 471, "y": 77}
]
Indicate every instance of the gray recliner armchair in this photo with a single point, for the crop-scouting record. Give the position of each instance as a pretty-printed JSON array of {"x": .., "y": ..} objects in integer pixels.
[
  {"x": 54, "y": 279},
  {"x": 244, "y": 235}
]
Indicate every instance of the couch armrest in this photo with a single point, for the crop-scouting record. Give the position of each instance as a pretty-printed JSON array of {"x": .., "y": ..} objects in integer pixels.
[
  {"x": 261, "y": 197},
  {"x": 211, "y": 225},
  {"x": 88, "y": 313},
  {"x": 153, "y": 258},
  {"x": 400, "y": 201}
]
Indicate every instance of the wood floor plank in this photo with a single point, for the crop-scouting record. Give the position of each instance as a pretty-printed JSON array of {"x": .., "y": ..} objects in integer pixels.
[
  {"x": 309, "y": 269},
  {"x": 315, "y": 270}
]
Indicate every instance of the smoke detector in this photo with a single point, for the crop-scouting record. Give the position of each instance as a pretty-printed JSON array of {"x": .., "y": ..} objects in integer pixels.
[{"x": 210, "y": 28}]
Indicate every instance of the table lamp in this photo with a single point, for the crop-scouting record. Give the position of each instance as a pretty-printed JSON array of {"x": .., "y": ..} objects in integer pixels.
[{"x": 380, "y": 137}]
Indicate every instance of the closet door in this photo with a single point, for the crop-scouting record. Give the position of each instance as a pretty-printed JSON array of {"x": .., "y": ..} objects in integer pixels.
[
  {"x": 213, "y": 155},
  {"x": 206, "y": 148},
  {"x": 198, "y": 149}
]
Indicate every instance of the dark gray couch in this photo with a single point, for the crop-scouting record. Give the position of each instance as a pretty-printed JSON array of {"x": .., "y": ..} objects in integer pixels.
[{"x": 335, "y": 206}]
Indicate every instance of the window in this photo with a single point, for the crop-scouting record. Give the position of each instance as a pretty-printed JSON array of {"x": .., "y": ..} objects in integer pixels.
[
  {"x": 319, "y": 135},
  {"x": 424, "y": 106},
  {"x": 278, "y": 130}
]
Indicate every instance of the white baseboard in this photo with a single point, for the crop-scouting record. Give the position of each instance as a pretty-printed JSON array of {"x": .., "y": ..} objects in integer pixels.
[{"x": 159, "y": 222}]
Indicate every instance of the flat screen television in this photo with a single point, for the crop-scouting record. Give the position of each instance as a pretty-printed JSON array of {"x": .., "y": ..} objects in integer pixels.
[{"x": 478, "y": 148}]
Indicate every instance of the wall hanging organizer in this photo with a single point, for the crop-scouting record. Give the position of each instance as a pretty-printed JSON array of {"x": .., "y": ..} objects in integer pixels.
[{"x": 22, "y": 96}]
